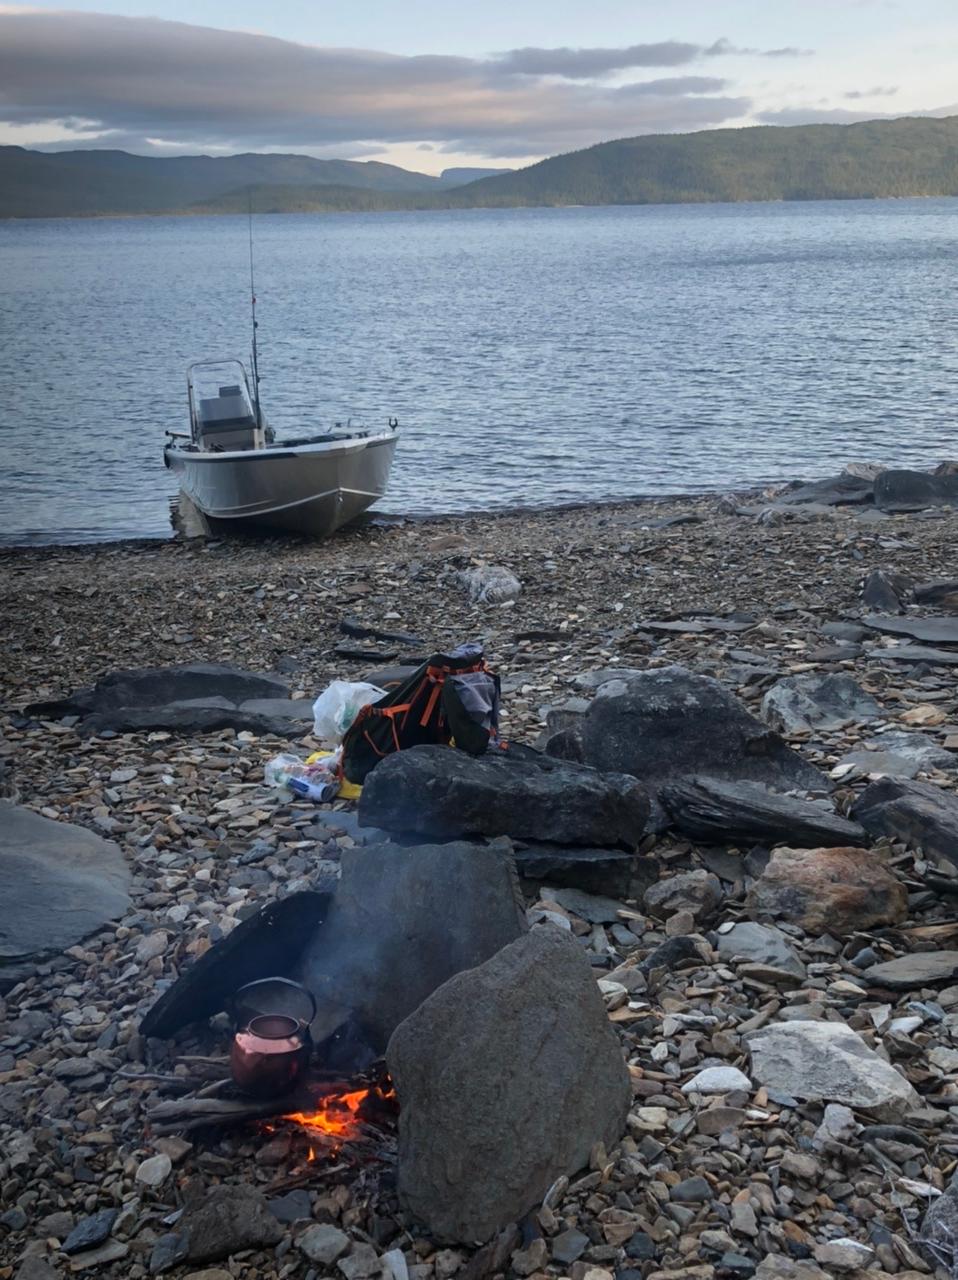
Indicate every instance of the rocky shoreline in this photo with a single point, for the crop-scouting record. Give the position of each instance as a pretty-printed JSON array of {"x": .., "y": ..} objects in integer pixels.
[{"x": 750, "y": 592}]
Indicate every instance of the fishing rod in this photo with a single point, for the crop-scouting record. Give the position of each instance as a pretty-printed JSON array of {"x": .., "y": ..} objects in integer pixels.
[{"x": 252, "y": 295}]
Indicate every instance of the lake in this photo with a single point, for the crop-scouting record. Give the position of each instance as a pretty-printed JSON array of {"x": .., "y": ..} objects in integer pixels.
[{"x": 533, "y": 356}]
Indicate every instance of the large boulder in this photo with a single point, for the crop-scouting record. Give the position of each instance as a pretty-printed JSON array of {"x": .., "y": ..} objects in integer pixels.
[
  {"x": 800, "y": 703},
  {"x": 829, "y": 1062},
  {"x": 668, "y": 724},
  {"x": 438, "y": 792},
  {"x": 58, "y": 883},
  {"x": 196, "y": 697},
  {"x": 919, "y": 813},
  {"x": 836, "y": 891},
  {"x": 507, "y": 1077},
  {"x": 717, "y": 812},
  {"x": 903, "y": 490},
  {"x": 404, "y": 920}
]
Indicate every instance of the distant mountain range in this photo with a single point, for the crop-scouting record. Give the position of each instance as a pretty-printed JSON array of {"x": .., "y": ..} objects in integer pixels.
[
  {"x": 41, "y": 184},
  {"x": 877, "y": 158}
]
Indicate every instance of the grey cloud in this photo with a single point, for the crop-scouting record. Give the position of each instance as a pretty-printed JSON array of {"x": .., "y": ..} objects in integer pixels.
[
  {"x": 582, "y": 64},
  {"x": 722, "y": 48},
  {"x": 186, "y": 86},
  {"x": 880, "y": 91}
]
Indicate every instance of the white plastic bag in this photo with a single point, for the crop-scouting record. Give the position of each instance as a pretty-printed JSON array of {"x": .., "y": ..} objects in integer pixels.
[{"x": 338, "y": 706}]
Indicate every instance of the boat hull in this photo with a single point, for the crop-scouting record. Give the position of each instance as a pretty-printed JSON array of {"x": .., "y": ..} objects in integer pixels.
[{"x": 307, "y": 489}]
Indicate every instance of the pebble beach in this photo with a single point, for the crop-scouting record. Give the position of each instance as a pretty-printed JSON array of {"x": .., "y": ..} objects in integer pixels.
[{"x": 774, "y": 1193}]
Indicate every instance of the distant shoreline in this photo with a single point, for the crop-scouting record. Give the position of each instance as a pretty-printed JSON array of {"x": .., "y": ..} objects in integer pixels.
[{"x": 458, "y": 208}]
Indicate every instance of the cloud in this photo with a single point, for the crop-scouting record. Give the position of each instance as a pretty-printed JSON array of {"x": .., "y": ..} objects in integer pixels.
[
  {"x": 175, "y": 86},
  {"x": 583, "y": 64},
  {"x": 845, "y": 115},
  {"x": 880, "y": 91},
  {"x": 722, "y": 48},
  {"x": 586, "y": 64}
]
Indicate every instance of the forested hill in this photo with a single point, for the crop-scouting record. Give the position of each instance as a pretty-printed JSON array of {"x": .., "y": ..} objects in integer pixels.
[{"x": 906, "y": 157}]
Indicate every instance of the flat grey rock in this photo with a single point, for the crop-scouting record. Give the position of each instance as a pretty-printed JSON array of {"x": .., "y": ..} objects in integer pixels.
[
  {"x": 698, "y": 626},
  {"x": 761, "y": 943},
  {"x": 404, "y": 920},
  {"x": 922, "y": 815},
  {"x": 927, "y": 630},
  {"x": 587, "y": 906},
  {"x": 805, "y": 702},
  {"x": 885, "y": 764},
  {"x": 718, "y": 812},
  {"x": 58, "y": 883},
  {"x": 916, "y": 748},
  {"x": 828, "y": 1062},
  {"x": 282, "y": 708},
  {"x": 507, "y": 1076},
  {"x": 837, "y": 490},
  {"x": 915, "y": 653},
  {"x": 439, "y": 792},
  {"x": 920, "y": 969},
  {"x": 848, "y": 631},
  {"x": 196, "y": 697}
]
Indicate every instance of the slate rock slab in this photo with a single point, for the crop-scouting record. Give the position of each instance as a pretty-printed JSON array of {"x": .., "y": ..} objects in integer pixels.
[
  {"x": 404, "y": 920},
  {"x": 922, "y": 815},
  {"x": 829, "y": 1062},
  {"x": 761, "y": 943},
  {"x": 915, "y": 653},
  {"x": 191, "y": 698},
  {"x": 927, "y": 630},
  {"x": 800, "y": 703},
  {"x": 58, "y": 883},
  {"x": 921, "y": 969},
  {"x": 915, "y": 750},
  {"x": 904, "y": 490},
  {"x": 669, "y": 723},
  {"x": 840, "y": 490},
  {"x": 607, "y": 871},
  {"x": 230, "y": 1218},
  {"x": 440, "y": 792},
  {"x": 718, "y": 812},
  {"x": 264, "y": 945},
  {"x": 836, "y": 891},
  {"x": 480, "y": 1147}
]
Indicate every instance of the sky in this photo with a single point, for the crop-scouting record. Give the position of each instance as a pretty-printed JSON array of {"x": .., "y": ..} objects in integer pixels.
[{"x": 431, "y": 84}]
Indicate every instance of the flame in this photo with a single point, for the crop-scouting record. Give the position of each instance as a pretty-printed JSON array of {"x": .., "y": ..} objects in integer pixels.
[{"x": 335, "y": 1117}]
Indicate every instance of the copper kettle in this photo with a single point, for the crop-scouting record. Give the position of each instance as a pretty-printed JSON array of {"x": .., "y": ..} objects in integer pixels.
[{"x": 271, "y": 1044}]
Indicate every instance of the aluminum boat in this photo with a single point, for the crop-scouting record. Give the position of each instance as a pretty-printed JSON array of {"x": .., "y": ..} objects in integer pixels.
[{"x": 237, "y": 474}]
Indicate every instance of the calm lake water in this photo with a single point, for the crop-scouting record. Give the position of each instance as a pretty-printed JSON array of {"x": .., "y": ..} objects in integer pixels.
[{"x": 532, "y": 356}]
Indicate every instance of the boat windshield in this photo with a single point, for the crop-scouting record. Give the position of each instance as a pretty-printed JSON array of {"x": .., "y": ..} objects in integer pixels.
[{"x": 219, "y": 395}]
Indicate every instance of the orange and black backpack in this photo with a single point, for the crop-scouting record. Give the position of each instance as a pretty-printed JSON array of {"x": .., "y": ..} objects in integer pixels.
[{"x": 452, "y": 697}]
